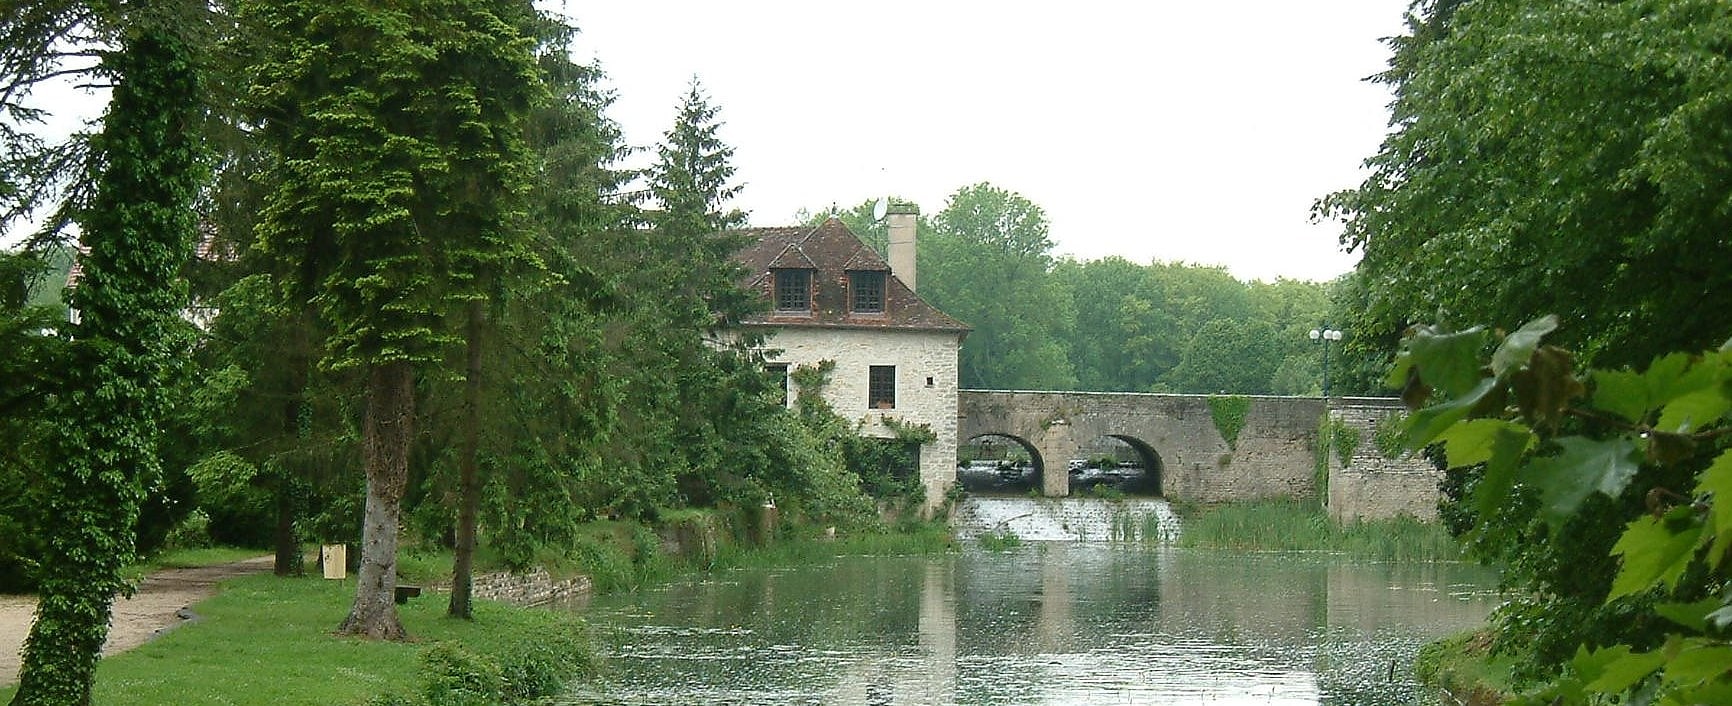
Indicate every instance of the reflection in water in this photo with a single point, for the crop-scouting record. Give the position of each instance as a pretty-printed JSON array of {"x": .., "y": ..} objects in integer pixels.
[{"x": 1050, "y": 623}]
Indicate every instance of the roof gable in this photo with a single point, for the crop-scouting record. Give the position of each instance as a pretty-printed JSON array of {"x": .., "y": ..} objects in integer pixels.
[{"x": 832, "y": 251}]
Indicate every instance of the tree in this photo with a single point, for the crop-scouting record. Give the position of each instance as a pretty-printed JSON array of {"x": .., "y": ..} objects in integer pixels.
[
  {"x": 108, "y": 398},
  {"x": 987, "y": 262},
  {"x": 400, "y": 132},
  {"x": 1564, "y": 158}
]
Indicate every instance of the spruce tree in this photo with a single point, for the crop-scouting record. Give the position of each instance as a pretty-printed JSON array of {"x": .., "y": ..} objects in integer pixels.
[{"x": 400, "y": 127}]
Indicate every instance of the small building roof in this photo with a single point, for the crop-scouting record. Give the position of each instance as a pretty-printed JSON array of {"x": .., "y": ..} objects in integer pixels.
[{"x": 832, "y": 251}]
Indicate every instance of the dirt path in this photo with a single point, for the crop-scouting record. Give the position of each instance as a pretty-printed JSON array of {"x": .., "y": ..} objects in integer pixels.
[{"x": 156, "y": 607}]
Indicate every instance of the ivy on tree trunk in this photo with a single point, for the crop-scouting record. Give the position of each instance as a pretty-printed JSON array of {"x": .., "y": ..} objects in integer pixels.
[{"x": 103, "y": 440}]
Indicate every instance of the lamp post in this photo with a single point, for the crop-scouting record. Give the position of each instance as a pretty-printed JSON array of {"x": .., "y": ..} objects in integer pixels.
[{"x": 1323, "y": 336}]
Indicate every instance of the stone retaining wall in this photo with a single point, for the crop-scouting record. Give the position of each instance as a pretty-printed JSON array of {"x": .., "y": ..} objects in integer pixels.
[
  {"x": 1372, "y": 486},
  {"x": 531, "y": 589}
]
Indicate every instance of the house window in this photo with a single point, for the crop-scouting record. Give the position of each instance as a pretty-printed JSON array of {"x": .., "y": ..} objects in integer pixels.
[
  {"x": 778, "y": 374},
  {"x": 793, "y": 290},
  {"x": 868, "y": 291},
  {"x": 881, "y": 387}
]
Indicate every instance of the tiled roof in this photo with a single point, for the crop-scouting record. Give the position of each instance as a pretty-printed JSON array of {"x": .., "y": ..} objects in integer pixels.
[{"x": 832, "y": 251}]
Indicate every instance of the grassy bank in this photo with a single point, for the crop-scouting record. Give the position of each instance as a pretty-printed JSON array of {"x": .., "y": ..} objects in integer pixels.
[
  {"x": 1296, "y": 525},
  {"x": 1461, "y": 670},
  {"x": 268, "y": 640}
]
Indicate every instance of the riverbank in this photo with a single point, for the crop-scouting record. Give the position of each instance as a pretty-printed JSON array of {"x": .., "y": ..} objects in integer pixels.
[
  {"x": 268, "y": 640},
  {"x": 1461, "y": 671}
]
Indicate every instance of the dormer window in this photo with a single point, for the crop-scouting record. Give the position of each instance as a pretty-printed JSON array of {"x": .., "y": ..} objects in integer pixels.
[
  {"x": 793, "y": 290},
  {"x": 866, "y": 291}
]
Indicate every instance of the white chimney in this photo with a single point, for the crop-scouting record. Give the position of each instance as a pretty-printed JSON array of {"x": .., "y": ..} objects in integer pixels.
[{"x": 901, "y": 219}]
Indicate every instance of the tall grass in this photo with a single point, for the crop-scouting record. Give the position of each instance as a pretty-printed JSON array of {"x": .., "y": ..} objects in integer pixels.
[{"x": 1295, "y": 525}]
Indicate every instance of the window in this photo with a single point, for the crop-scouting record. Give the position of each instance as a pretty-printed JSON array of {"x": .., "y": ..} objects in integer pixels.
[
  {"x": 778, "y": 374},
  {"x": 867, "y": 288},
  {"x": 793, "y": 290},
  {"x": 881, "y": 387}
]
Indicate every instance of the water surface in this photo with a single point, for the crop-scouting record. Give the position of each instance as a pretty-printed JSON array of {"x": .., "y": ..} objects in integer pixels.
[{"x": 1046, "y": 623}]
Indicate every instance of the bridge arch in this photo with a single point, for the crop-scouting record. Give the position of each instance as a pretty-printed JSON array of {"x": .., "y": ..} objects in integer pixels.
[
  {"x": 993, "y": 473},
  {"x": 1142, "y": 476}
]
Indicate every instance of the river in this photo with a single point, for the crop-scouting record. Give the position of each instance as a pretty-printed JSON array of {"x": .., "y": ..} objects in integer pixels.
[{"x": 1043, "y": 623}]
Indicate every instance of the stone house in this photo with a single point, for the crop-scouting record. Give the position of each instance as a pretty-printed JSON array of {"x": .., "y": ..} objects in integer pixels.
[{"x": 832, "y": 298}]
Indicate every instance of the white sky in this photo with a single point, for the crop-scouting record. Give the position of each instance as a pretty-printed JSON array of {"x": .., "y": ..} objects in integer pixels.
[{"x": 1197, "y": 131}]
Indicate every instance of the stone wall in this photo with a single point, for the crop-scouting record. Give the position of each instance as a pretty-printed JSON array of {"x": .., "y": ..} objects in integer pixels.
[
  {"x": 925, "y": 385},
  {"x": 1273, "y": 455},
  {"x": 531, "y": 589},
  {"x": 1371, "y": 486}
]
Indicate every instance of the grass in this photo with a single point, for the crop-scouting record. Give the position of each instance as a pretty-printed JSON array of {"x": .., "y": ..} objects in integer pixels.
[
  {"x": 1463, "y": 667},
  {"x": 1295, "y": 525},
  {"x": 189, "y": 558},
  {"x": 268, "y": 640}
]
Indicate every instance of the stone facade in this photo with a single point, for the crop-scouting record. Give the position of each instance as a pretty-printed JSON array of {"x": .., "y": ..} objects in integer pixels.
[
  {"x": 832, "y": 298},
  {"x": 1372, "y": 486},
  {"x": 925, "y": 364}
]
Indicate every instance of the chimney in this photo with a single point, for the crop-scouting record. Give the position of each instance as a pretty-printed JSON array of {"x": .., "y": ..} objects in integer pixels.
[{"x": 900, "y": 219}]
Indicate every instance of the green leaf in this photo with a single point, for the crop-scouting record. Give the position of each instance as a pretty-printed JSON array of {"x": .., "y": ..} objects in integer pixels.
[
  {"x": 1582, "y": 467},
  {"x": 1449, "y": 361},
  {"x": 1690, "y": 615},
  {"x": 1654, "y": 554},
  {"x": 1698, "y": 661},
  {"x": 1716, "y": 484},
  {"x": 1619, "y": 669},
  {"x": 1621, "y": 392},
  {"x": 1472, "y": 442},
  {"x": 1507, "y": 446},
  {"x": 1519, "y": 347},
  {"x": 1693, "y": 411},
  {"x": 1425, "y": 425}
]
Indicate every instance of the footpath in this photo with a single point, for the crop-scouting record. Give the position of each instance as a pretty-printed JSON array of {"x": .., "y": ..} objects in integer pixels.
[{"x": 163, "y": 601}]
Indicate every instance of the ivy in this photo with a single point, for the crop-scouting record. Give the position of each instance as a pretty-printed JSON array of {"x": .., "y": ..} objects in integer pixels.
[
  {"x": 1388, "y": 435},
  {"x": 1228, "y": 413},
  {"x": 1554, "y": 453},
  {"x": 102, "y": 441}
]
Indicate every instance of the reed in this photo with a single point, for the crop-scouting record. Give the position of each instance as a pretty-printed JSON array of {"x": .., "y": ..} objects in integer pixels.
[{"x": 1295, "y": 525}]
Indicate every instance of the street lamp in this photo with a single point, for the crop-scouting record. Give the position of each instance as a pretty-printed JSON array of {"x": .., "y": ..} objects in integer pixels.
[{"x": 1323, "y": 336}]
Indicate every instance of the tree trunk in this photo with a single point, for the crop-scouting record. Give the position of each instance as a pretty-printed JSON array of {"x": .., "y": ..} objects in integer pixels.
[
  {"x": 288, "y": 560},
  {"x": 463, "y": 566},
  {"x": 385, "y": 437}
]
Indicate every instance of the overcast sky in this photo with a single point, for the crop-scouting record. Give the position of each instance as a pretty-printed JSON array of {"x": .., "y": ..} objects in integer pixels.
[{"x": 1197, "y": 131}]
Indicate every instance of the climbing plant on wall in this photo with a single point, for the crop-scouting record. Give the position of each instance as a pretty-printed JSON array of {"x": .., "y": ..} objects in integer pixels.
[{"x": 1228, "y": 413}]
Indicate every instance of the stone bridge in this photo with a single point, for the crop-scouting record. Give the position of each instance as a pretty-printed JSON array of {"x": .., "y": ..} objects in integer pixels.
[{"x": 1276, "y": 452}]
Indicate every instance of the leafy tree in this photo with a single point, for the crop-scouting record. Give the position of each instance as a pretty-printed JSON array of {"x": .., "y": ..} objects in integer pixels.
[
  {"x": 1564, "y": 158},
  {"x": 401, "y": 149},
  {"x": 986, "y": 262},
  {"x": 108, "y": 396}
]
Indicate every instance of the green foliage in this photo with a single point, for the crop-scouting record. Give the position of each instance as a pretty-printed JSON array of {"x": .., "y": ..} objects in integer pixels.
[
  {"x": 1228, "y": 413},
  {"x": 108, "y": 402},
  {"x": 1633, "y": 470},
  {"x": 1001, "y": 542},
  {"x": 1390, "y": 435},
  {"x": 1551, "y": 157},
  {"x": 985, "y": 259}
]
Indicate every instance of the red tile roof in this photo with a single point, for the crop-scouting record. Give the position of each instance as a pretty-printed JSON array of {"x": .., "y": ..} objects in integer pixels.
[{"x": 831, "y": 250}]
